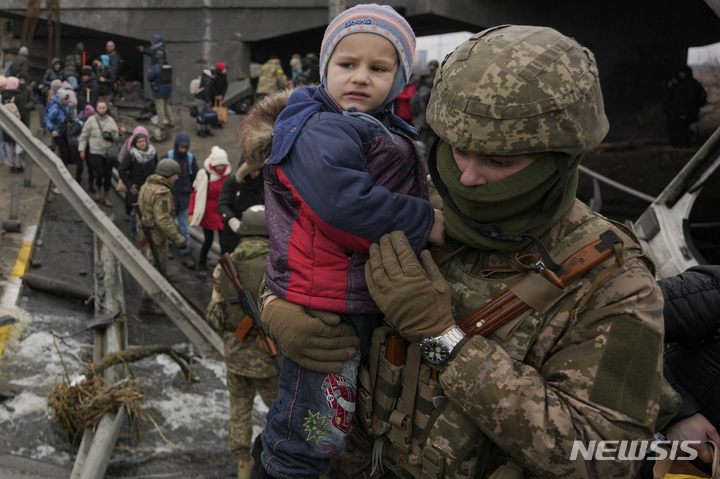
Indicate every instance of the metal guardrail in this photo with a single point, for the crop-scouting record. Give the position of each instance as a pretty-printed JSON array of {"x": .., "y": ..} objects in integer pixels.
[
  {"x": 97, "y": 445},
  {"x": 172, "y": 303},
  {"x": 676, "y": 188},
  {"x": 615, "y": 184}
]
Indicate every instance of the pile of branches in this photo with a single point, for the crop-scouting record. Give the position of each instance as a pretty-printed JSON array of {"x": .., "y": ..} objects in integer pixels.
[{"x": 80, "y": 405}]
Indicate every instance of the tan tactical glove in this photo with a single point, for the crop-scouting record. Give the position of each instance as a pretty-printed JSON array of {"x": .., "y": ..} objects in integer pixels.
[
  {"x": 316, "y": 340},
  {"x": 412, "y": 294}
]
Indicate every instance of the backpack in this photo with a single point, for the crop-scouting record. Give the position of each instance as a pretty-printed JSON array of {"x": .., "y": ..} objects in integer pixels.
[
  {"x": 12, "y": 107},
  {"x": 73, "y": 130},
  {"x": 195, "y": 87},
  {"x": 191, "y": 158},
  {"x": 165, "y": 76}
]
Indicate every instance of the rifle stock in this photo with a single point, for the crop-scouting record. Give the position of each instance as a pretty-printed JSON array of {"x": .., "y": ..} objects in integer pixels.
[
  {"x": 243, "y": 328},
  {"x": 248, "y": 304}
]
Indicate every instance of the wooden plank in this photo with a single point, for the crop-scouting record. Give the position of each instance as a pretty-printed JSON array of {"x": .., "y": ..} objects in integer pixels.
[{"x": 102, "y": 445}]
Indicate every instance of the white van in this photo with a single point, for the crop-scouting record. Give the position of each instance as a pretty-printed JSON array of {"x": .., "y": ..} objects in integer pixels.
[{"x": 681, "y": 228}]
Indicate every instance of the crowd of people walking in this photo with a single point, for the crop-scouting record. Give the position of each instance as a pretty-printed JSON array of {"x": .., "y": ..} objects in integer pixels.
[{"x": 75, "y": 98}]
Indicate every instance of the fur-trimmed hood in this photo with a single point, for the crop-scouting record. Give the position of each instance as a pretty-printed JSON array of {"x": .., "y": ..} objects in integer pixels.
[
  {"x": 242, "y": 172},
  {"x": 255, "y": 135}
]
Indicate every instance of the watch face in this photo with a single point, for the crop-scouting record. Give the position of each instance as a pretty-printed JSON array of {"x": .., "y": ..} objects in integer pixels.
[{"x": 434, "y": 351}]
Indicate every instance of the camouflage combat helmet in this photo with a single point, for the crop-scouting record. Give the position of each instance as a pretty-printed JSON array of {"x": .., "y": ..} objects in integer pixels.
[
  {"x": 516, "y": 90},
  {"x": 253, "y": 222},
  {"x": 167, "y": 167}
]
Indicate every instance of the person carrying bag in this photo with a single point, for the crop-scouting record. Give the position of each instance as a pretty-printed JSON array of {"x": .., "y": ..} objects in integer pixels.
[
  {"x": 101, "y": 135},
  {"x": 113, "y": 151},
  {"x": 222, "y": 112}
]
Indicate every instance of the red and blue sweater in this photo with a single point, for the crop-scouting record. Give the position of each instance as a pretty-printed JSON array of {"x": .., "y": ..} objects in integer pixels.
[{"x": 334, "y": 185}]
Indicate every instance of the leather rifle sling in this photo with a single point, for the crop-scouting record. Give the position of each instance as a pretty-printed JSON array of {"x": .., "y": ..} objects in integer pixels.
[{"x": 507, "y": 306}]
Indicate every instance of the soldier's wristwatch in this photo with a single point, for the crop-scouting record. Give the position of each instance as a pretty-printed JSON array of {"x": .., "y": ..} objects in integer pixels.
[{"x": 439, "y": 349}]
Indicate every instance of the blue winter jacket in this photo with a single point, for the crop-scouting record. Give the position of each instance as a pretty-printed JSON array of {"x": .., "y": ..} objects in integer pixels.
[
  {"x": 56, "y": 114},
  {"x": 158, "y": 87},
  {"x": 183, "y": 187},
  {"x": 334, "y": 185}
]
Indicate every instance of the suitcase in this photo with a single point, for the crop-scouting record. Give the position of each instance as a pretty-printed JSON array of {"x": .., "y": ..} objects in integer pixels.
[{"x": 210, "y": 118}]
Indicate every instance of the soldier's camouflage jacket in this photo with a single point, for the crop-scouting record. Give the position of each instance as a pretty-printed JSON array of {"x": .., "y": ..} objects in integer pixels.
[
  {"x": 156, "y": 203},
  {"x": 246, "y": 358},
  {"x": 550, "y": 379},
  {"x": 595, "y": 379},
  {"x": 272, "y": 78}
]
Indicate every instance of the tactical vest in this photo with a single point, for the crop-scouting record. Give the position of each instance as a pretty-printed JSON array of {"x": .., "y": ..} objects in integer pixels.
[
  {"x": 251, "y": 273},
  {"x": 224, "y": 289},
  {"x": 156, "y": 188},
  {"x": 246, "y": 358},
  {"x": 418, "y": 433}
]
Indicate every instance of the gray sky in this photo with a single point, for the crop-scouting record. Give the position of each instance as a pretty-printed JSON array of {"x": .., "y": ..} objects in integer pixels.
[{"x": 437, "y": 46}]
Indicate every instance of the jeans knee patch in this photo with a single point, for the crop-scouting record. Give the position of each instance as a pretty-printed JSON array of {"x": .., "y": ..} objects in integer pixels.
[{"x": 340, "y": 394}]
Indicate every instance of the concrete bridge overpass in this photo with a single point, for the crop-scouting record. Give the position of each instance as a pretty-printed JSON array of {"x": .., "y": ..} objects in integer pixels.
[{"x": 638, "y": 44}]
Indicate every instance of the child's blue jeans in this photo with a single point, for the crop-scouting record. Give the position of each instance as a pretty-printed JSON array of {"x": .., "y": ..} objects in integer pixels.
[
  {"x": 183, "y": 220},
  {"x": 308, "y": 422}
]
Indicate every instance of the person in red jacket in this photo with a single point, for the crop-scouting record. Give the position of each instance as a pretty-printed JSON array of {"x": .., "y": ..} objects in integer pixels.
[
  {"x": 203, "y": 203},
  {"x": 402, "y": 102}
]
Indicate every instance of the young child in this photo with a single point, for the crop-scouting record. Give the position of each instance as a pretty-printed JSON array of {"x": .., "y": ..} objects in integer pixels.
[{"x": 342, "y": 172}]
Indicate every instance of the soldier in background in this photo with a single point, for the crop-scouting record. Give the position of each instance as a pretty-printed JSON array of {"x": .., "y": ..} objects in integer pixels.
[
  {"x": 249, "y": 369},
  {"x": 156, "y": 204},
  {"x": 272, "y": 78},
  {"x": 581, "y": 364}
]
